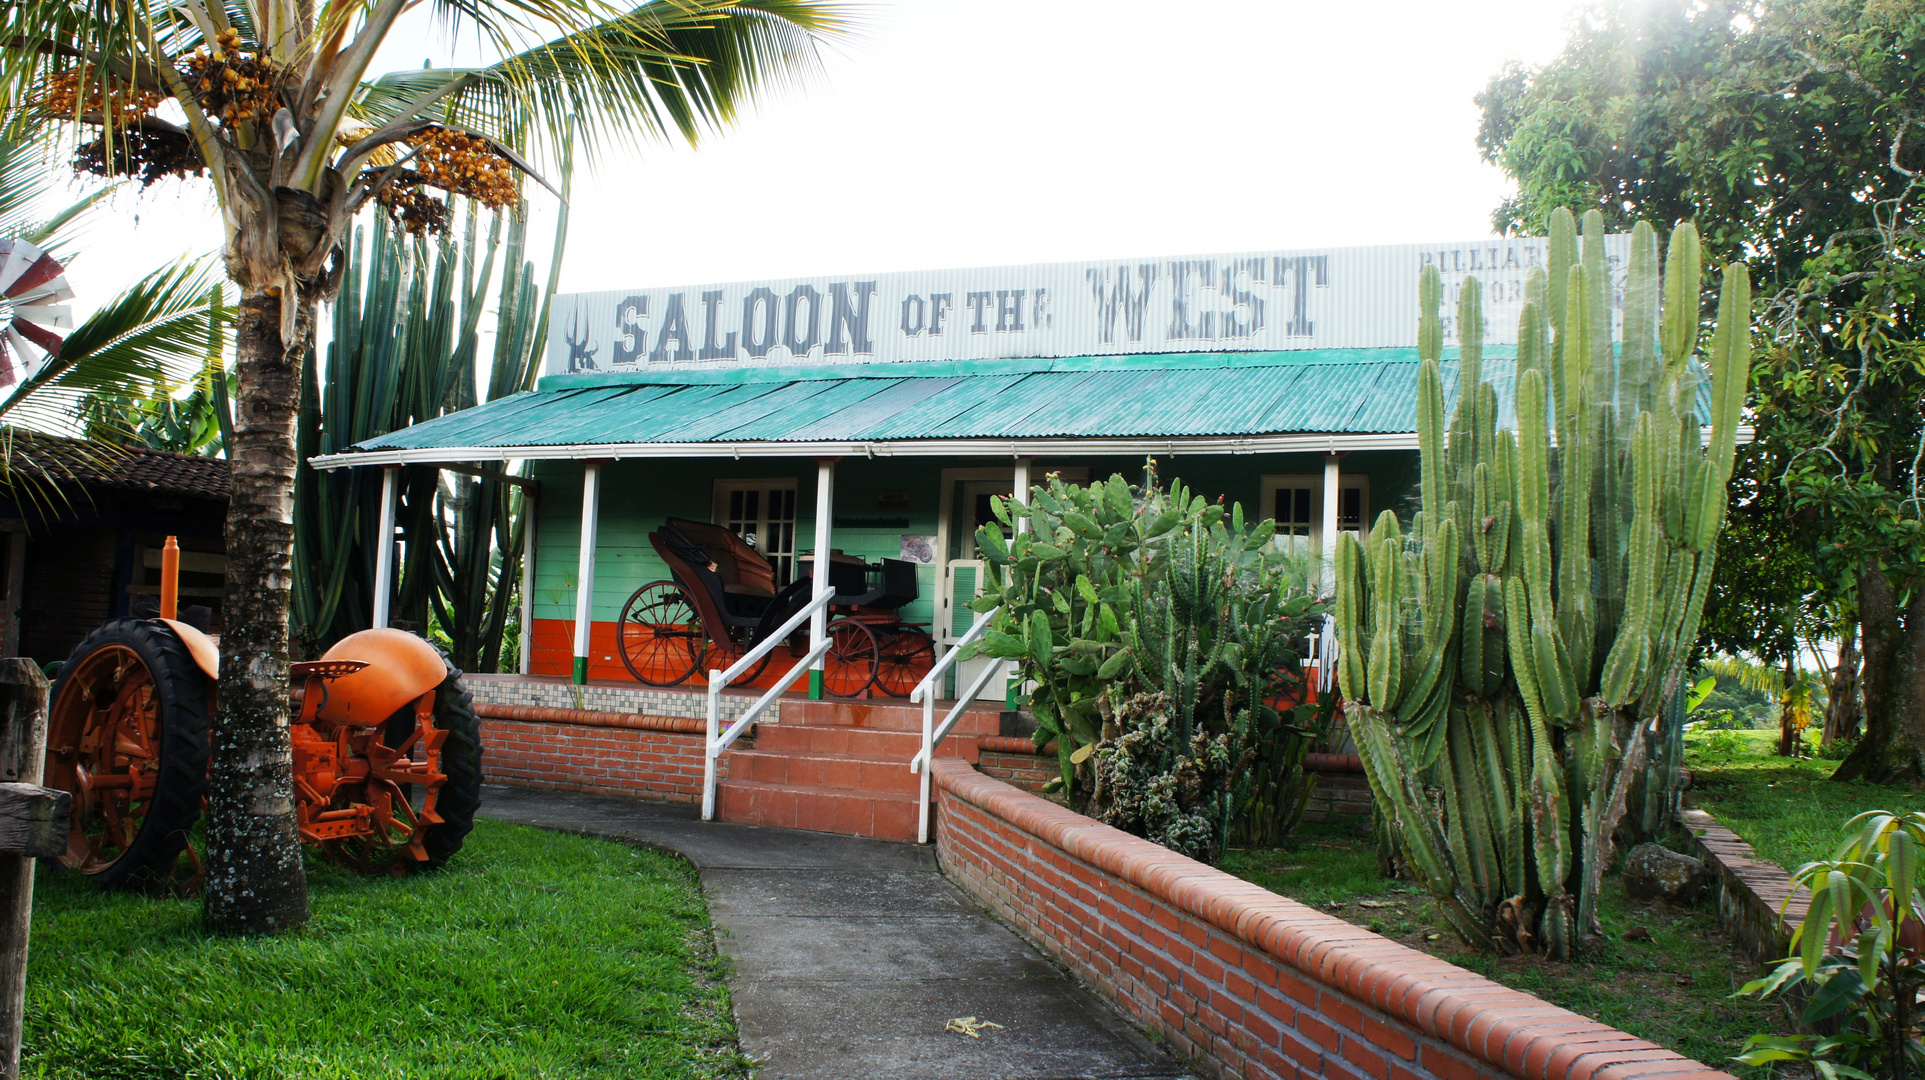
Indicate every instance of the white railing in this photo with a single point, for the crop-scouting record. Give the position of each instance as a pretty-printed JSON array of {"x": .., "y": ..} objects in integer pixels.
[
  {"x": 932, "y": 733},
  {"x": 719, "y": 740},
  {"x": 1323, "y": 656}
]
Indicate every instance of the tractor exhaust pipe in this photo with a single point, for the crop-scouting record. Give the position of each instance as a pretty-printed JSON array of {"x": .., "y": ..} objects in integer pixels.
[{"x": 170, "y": 580}]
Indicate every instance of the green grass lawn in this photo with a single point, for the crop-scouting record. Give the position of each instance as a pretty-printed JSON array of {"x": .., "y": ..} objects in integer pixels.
[
  {"x": 531, "y": 955},
  {"x": 1672, "y": 988},
  {"x": 1789, "y": 809}
]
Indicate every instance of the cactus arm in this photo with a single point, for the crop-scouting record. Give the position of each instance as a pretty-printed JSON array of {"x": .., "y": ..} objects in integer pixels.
[
  {"x": 1602, "y": 384},
  {"x": 1433, "y": 463},
  {"x": 1638, "y": 358},
  {"x": 1430, "y": 328},
  {"x": 1563, "y": 256},
  {"x": 1470, "y": 656},
  {"x": 1730, "y": 358},
  {"x": 1518, "y": 638},
  {"x": 1386, "y": 613},
  {"x": 1625, "y": 667},
  {"x": 1352, "y": 592},
  {"x": 1473, "y": 796},
  {"x": 1575, "y": 452},
  {"x": 1490, "y": 682},
  {"x": 1682, "y": 279},
  {"x": 1550, "y": 827}
]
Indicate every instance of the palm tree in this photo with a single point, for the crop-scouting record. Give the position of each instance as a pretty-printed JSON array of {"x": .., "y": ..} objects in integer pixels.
[{"x": 279, "y": 111}]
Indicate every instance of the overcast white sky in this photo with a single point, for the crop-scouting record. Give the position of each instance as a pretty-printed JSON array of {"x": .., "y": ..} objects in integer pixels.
[{"x": 973, "y": 132}]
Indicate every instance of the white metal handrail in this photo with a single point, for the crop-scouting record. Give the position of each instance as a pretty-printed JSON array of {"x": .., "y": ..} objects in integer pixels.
[
  {"x": 932, "y": 733},
  {"x": 719, "y": 740}
]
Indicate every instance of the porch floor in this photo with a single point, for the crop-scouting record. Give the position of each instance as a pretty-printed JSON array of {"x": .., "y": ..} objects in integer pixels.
[{"x": 851, "y": 956}]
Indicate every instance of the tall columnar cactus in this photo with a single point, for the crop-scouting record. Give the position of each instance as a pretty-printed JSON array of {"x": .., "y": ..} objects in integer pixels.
[{"x": 1507, "y": 660}]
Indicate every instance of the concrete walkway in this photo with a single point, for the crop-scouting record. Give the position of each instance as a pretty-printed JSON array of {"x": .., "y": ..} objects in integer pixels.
[{"x": 850, "y": 956}]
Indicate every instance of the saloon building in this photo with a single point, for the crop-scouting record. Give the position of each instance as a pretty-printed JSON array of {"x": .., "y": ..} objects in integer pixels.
[{"x": 892, "y": 406}]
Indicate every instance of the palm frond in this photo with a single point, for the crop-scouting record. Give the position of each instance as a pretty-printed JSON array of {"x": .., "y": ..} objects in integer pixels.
[
  {"x": 155, "y": 333},
  {"x": 27, "y": 165},
  {"x": 1745, "y": 673},
  {"x": 667, "y": 67}
]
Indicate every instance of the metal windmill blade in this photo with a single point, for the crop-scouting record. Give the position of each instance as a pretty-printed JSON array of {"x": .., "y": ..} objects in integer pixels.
[{"x": 33, "y": 315}]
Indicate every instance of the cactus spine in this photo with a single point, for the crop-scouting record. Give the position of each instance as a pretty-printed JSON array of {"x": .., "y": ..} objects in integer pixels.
[{"x": 1507, "y": 661}]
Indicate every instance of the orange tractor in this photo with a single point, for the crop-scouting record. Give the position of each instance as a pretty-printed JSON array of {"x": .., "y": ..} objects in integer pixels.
[{"x": 387, "y": 749}]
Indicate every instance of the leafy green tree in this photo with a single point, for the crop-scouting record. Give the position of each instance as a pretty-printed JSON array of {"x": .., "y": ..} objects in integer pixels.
[
  {"x": 295, "y": 135},
  {"x": 1792, "y": 132}
]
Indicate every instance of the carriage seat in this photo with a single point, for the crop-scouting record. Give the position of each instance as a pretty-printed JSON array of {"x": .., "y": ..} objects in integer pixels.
[{"x": 730, "y": 579}]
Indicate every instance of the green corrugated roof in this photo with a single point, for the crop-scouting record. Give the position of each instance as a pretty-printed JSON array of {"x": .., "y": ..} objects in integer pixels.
[{"x": 1180, "y": 396}]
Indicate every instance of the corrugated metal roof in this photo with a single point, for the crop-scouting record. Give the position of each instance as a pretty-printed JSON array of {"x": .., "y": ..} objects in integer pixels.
[{"x": 1213, "y": 396}]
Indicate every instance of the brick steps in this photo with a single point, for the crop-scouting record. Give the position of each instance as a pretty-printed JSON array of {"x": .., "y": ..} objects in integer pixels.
[
  {"x": 869, "y": 743},
  {"x": 827, "y": 771},
  {"x": 840, "y": 767},
  {"x": 883, "y": 815},
  {"x": 894, "y": 715}
]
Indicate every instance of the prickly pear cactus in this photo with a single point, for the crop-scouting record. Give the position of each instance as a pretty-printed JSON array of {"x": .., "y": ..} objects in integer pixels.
[{"x": 1507, "y": 659}]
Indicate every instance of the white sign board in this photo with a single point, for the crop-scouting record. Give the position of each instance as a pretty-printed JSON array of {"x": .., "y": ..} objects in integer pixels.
[{"x": 1327, "y": 298}]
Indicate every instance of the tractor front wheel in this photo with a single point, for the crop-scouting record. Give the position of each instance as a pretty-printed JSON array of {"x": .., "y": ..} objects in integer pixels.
[{"x": 127, "y": 736}]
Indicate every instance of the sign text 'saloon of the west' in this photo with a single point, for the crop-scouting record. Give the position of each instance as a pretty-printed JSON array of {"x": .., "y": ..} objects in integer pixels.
[{"x": 1330, "y": 298}]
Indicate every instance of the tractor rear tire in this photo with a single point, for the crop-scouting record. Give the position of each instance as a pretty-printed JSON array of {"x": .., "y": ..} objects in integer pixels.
[
  {"x": 177, "y": 731},
  {"x": 460, "y": 797}
]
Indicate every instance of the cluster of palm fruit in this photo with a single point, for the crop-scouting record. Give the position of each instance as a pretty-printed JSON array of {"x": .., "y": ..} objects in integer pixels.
[
  {"x": 85, "y": 92},
  {"x": 457, "y": 163},
  {"x": 234, "y": 85},
  {"x": 1506, "y": 662}
]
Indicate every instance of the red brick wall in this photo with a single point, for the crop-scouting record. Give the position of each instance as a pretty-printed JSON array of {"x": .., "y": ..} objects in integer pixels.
[
  {"x": 662, "y": 766},
  {"x": 1246, "y": 982}
]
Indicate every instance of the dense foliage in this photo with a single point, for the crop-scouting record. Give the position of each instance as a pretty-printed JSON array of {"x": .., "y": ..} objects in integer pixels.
[
  {"x": 1790, "y": 130},
  {"x": 1158, "y": 631}
]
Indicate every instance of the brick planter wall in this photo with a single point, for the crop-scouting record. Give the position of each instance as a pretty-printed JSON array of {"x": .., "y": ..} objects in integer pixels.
[
  {"x": 1018, "y": 761},
  {"x": 1243, "y": 981},
  {"x": 1756, "y": 902},
  {"x": 641, "y": 757}
]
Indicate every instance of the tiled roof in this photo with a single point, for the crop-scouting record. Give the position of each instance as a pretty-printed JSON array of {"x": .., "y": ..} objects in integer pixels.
[{"x": 95, "y": 467}]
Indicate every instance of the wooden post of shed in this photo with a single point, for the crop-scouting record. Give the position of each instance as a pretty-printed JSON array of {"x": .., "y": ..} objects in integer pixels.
[{"x": 23, "y": 762}]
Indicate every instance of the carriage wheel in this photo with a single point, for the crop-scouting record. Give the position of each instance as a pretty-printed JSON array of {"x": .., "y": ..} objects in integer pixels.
[
  {"x": 127, "y": 735},
  {"x": 660, "y": 635},
  {"x": 850, "y": 664},
  {"x": 719, "y": 653},
  {"x": 906, "y": 658}
]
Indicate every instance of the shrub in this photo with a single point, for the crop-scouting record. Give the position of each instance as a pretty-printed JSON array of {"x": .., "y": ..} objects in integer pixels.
[
  {"x": 1859, "y": 955},
  {"x": 1158, "y": 631}
]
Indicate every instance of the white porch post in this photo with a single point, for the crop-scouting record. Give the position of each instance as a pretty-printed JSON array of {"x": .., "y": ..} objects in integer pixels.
[
  {"x": 529, "y": 518},
  {"x": 585, "y": 572},
  {"x": 1331, "y": 479},
  {"x": 384, "y": 547},
  {"x": 1013, "y": 687},
  {"x": 1022, "y": 489},
  {"x": 825, "y": 483}
]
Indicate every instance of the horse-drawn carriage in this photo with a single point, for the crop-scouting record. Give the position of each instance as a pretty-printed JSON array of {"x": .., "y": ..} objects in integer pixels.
[{"x": 725, "y": 599}]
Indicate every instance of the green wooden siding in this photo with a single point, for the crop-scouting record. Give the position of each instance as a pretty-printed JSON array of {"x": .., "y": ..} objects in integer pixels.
[{"x": 638, "y": 495}]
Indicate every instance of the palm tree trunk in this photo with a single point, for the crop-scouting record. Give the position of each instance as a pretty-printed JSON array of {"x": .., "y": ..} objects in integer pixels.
[{"x": 255, "y": 881}]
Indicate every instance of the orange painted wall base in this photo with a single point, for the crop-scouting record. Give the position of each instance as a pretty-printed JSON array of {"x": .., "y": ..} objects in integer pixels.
[{"x": 553, "y": 654}]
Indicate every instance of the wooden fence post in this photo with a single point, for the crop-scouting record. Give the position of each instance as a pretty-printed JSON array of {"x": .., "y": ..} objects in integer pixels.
[{"x": 33, "y": 822}]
